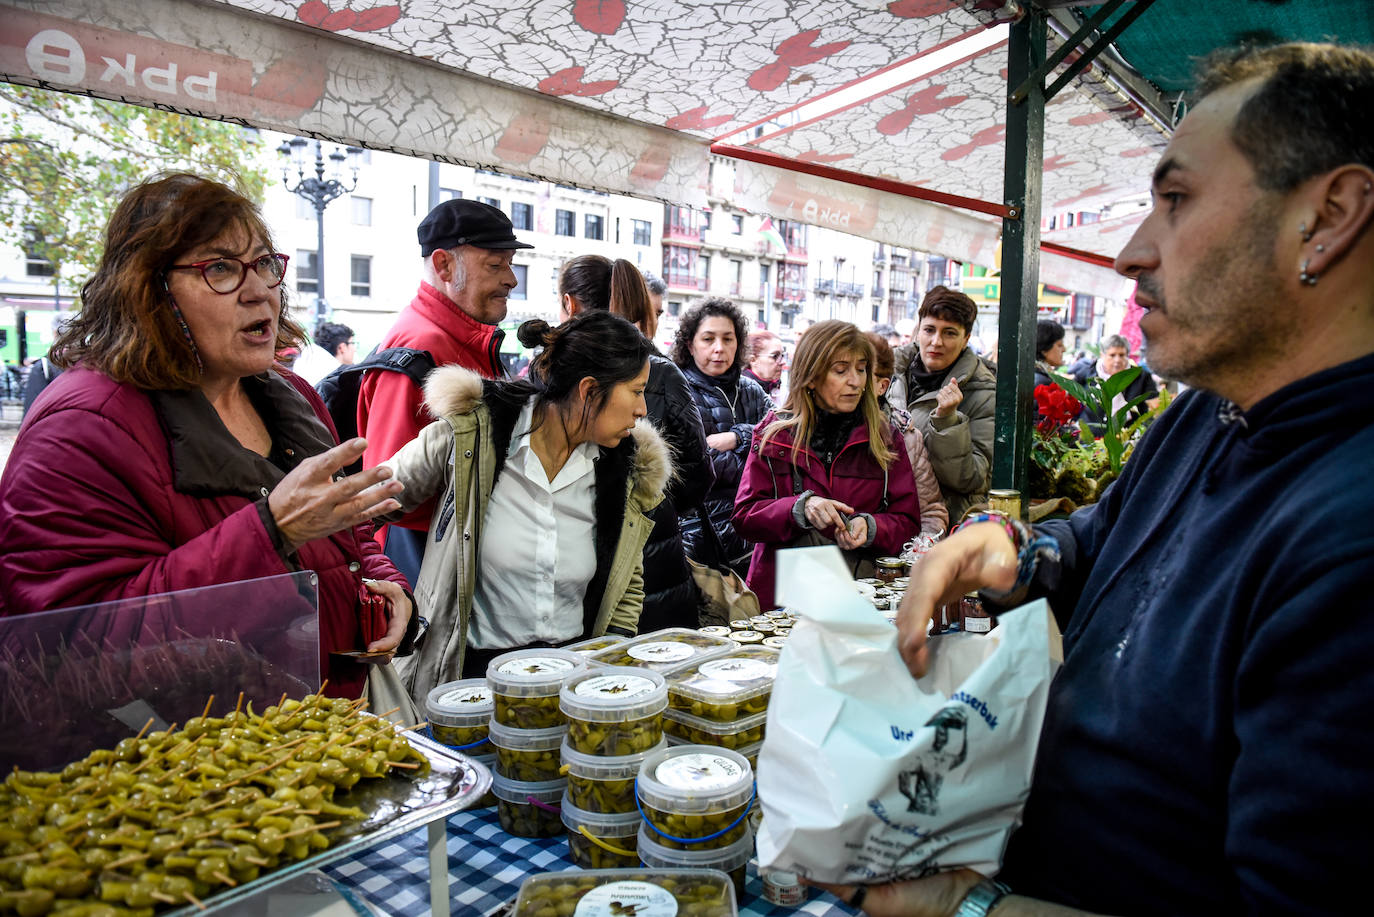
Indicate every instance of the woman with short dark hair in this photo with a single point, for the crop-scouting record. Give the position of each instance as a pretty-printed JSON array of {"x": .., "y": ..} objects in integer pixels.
[
  {"x": 951, "y": 395},
  {"x": 710, "y": 350},
  {"x": 172, "y": 454}
]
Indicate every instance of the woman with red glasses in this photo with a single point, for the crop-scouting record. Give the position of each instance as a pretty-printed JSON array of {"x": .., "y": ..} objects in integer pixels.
[{"x": 172, "y": 454}]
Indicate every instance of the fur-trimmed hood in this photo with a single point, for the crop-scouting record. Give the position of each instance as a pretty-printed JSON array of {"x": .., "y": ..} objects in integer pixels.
[{"x": 453, "y": 390}]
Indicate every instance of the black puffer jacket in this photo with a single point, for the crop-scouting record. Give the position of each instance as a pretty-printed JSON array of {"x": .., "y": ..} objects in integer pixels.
[
  {"x": 670, "y": 596},
  {"x": 728, "y": 404}
]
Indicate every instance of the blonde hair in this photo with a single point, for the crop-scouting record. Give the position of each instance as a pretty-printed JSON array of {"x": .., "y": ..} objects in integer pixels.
[{"x": 820, "y": 346}]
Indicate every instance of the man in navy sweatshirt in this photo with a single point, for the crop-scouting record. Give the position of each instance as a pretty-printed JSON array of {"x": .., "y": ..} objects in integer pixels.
[{"x": 1209, "y": 742}]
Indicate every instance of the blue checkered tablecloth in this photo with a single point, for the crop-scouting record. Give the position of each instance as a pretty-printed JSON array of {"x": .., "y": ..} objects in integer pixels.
[{"x": 486, "y": 866}]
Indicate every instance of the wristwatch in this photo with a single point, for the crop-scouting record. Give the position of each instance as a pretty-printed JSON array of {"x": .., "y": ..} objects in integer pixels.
[{"x": 982, "y": 898}]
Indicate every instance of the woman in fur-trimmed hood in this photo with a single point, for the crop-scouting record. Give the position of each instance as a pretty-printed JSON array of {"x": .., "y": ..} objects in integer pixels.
[{"x": 545, "y": 486}]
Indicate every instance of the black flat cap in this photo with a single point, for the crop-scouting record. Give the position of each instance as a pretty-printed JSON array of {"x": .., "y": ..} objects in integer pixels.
[{"x": 464, "y": 222}]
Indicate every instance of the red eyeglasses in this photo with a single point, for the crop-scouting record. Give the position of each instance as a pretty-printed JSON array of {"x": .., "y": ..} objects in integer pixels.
[{"x": 226, "y": 275}]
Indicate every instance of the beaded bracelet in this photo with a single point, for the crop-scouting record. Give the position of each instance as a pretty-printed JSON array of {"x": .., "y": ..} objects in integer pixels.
[{"x": 1029, "y": 546}]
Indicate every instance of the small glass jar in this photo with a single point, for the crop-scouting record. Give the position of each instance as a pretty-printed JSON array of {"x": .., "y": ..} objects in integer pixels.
[
  {"x": 890, "y": 568},
  {"x": 1006, "y": 502},
  {"x": 973, "y": 617}
]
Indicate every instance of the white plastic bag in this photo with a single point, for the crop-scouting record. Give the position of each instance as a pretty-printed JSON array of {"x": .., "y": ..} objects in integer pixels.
[{"x": 868, "y": 775}]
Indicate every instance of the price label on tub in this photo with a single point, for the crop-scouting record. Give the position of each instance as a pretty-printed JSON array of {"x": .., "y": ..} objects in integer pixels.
[
  {"x": 734, "y": 670},
  {"x": 465, "y": 697},
  {"x": 699, "y": 772},
  {"x": 537, "y": 665},
  {"x": 615, "y": 687},
  {"x": 662, "y": 651},
  {"x": 642, "y": 899}
]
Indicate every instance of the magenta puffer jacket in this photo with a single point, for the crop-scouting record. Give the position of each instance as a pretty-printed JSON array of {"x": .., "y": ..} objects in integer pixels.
[
  {"x": 769, "y": 488},
  {"x": 112, "y": 492}
]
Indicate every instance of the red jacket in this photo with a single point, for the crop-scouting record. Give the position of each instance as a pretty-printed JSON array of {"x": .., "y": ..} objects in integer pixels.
[
  {"x": 768, "y": 492},
  {"x": 113, "y": 492},
  {"x": 391, "y": 408}
]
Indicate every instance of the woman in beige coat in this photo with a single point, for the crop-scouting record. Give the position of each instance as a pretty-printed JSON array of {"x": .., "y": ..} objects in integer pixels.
[{"x": 544, "y": 489}]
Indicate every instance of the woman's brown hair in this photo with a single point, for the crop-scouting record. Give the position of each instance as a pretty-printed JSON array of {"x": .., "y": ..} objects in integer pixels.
[
  {"x": 597, "y": 282},
  {"x": 128, "y": 327},
  {"x": 819, "y": 348}
]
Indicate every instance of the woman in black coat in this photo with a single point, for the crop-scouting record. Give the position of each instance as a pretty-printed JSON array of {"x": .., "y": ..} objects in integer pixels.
[
  {"x": 671, "y": 598},
  {"x": 709, "y": 349}
]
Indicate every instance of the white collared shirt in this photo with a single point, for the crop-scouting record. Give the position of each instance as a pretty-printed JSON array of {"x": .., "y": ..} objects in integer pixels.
[{"x": 538, "y": 548}]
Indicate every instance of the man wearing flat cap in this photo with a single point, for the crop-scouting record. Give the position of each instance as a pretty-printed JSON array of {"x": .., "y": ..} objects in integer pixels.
[{"x": 467, "y": 248}]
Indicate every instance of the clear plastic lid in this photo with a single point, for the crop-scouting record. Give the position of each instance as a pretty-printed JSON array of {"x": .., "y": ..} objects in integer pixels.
[
  {"x": 513, "y": 739},
  {"x": 747, "y": 672},
  {"x": 533, "y": 673},
  {"x": 750, "y": 751},
  {"x": 654, "y": 854},
  {"x": 747, "y": 637},
  {"x": 597, "y": 767},
  {"x": 613, "y": 694},
  {"x": 586, "y": 647},
  {"x": 602, "y": 824},
  {"x": 665, "y": 650},
  {"x": 779, "y": 614},
  {"x": 715, "y": 630},
  {"x": 646, "y": 892},
  {"x": 459, "y": 703},
  {"x": 549, "y": 792},
  {"x": 716, "y": 727},
  {"x": 693, "y": 779},
  {"x": 774, "y": 642}
]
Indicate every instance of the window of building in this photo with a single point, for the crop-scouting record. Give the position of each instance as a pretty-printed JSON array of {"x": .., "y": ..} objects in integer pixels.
[
  {"x": 706, "y": 219},
  {"x": 594, "y": 227},
  {"x": 736, "y": 276},
  {"x": 36, "y": 263},
  {"x": 737, "y": 223},
  {"x": 491, "y": 201},
  {"x": 522, "y": 215},
  {"x": 521, "y": 291},
  {"x": 360, "y": 273},
  {"x": 643, "y": 233},
  {"x": 307, "y": 271},
  {"x": 564, "y": 223},
  {"x": 704, "y": 271},
  {"x": 362, "y": 210},
  {"x": 449, "y": 194},
  {"x": 679, "y": 266}
]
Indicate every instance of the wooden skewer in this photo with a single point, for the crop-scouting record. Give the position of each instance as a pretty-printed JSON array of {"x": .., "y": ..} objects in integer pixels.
[
  {"x": 206, "y": 712},
  {"x": 319, "y": 827},
  {"x": 144, "y": 729},
  {"x": 238, "y": 707},
  {"x": 256, "y": 861},
  {"x": 159, "y": 896},
  {"x": 214, "y": 831},
  {"x": 223, "y": 878},
  {"x": 382, "y": 716},
  {"x": 194, "y": 900},
  {"x": 281, "y": 700},
  {"x": 125, "y": 861},
  {"x": 420, "y": 725},
  {"x": 406, "y": 764},
  {"x": 222, "y": 802},
  {"x": 20, "y": 857}
]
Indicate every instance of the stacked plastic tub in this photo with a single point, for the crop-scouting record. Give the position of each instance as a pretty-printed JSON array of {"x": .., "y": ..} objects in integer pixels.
[
  {"x": 723, "y": 700},
  {"x": 615, "y": 720},
  {"x": 459, "y": 714},
  {"x": 527, "y": 729}
]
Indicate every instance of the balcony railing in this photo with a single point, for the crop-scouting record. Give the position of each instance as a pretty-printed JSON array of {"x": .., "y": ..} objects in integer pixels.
[
  {"x": 849, "y": 289},
  {"x": 825, "y": 286}
]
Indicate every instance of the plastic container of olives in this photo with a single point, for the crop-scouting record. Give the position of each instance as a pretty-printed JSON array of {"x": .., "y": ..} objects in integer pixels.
[
  {"x": 525, "y": 683},
  {"x": 615, "y": 892},
  {"x": 600, "y": 784},
  {"x": 616, "y": 832},
  {"x": 696, "y": 796},
  {"x": 664, "y": 651},
  {"x": 488, "y": 799},
  {"x": 750, "y": 752},
  {"x": 614, "y": 711},
  {"x": 725, "y": 689},
  {"x": 775, "y": 642},
  {"x": 529, "y": 809},
  {"x": 592, "y": 644},
  {"x": 744, "y": 731},
  {"x": 458, "y": 713},
  {"x": 714, "y": 630},
  {"x": 732, "y": 860},
  {"x": 527, "y": 755}
]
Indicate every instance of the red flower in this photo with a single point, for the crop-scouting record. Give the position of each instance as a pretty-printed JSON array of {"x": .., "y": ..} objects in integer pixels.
[{"x": 1057, "y": 407}]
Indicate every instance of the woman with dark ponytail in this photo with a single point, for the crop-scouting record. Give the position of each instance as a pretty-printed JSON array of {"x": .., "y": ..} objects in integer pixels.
[
  {"x": 591, "y": 282},
  {"x": 544, "y": 485}
]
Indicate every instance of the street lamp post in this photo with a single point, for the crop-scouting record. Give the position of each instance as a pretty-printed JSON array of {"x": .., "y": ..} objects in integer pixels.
[{"x": 320, "y": 192}]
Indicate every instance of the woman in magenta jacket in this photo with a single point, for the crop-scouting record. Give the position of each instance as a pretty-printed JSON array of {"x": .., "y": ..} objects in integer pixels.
[
  {"x": 828, "y": 466},
  {"x": 172, "y": 455}
]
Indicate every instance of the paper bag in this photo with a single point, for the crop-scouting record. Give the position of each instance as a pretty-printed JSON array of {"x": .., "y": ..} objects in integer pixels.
[{"x": 867, "y": 775}]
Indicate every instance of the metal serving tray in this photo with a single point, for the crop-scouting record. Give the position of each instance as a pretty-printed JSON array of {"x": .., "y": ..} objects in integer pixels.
[{"x": 396, "y": 805}]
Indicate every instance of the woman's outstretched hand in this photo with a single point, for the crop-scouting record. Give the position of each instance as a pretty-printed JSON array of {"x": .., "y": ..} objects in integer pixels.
[{"x": 309, "y": 503}]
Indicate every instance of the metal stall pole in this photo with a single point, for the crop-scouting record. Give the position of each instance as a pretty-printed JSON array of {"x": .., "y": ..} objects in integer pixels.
[{"x": 1020, "y": 255}]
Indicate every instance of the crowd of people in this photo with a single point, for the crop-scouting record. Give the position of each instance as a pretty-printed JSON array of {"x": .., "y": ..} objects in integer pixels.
[{"x": 1206, "y": 737}]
